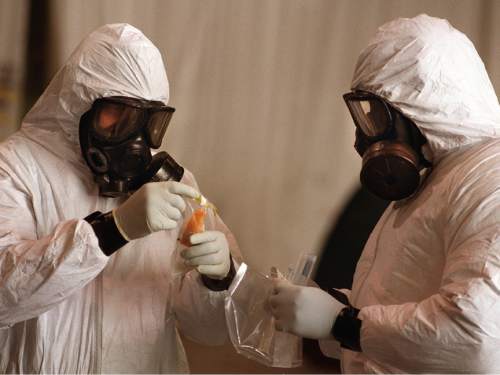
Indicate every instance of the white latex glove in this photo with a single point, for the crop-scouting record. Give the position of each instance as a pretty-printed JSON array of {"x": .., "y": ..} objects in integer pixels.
[
  {"x": 304, "y": 311},
  {"x": 209, "y": 253},
  {"x": 155, "y": 206}
]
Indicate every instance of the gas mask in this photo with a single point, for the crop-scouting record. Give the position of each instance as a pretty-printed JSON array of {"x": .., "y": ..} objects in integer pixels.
[
  {"x": 116, "y": 138},
  {"x": 390, "y": 145}
]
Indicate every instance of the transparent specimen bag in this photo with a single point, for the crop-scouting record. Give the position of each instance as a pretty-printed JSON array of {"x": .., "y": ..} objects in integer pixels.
[{"x": 249, "y": 319}]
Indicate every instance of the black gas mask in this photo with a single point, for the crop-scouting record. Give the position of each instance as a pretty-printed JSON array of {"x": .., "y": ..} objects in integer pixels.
[
  {"x": 116, "y": 138},
  {"x": 390, "y": 145}
]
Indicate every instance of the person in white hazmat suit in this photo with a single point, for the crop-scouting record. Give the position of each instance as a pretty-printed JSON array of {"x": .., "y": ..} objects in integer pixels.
[
  {"x": 426, "y": 291},
  {"x": 66, "y": 304}
]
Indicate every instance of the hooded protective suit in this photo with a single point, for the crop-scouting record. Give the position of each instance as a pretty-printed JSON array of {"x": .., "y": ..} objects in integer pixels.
[
  {"x": 428, "y": 281},
  {"x": 64, "y": 305}
]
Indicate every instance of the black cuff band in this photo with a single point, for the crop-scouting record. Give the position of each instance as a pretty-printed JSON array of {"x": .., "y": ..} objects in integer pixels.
[
  {"x": 110, "y": 238},
  {"x": 347, "y": 329},
  {"x": 223, "y": 284},
  {"x": 347, "y": 326}
]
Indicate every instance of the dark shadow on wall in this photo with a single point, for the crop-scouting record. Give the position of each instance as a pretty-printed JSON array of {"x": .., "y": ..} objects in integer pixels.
[
  {"x": 341, "y": 251},
  {"x": 347, "y": 238},
  {"x": 37, "y": 53}
]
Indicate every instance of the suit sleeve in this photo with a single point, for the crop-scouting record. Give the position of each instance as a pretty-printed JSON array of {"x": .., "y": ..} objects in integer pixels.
[
  {"x": 457, "y": 329},
  {"x": 38, "y": 273}
]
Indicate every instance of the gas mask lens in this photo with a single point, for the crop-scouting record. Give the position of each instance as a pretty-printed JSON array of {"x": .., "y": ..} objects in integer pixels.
[
  {"x": 370, "y": 114},
  {"x": 116, "y": 119},
  {"x": 157, "y": 125},
  {"x": 115, "y": 122}
]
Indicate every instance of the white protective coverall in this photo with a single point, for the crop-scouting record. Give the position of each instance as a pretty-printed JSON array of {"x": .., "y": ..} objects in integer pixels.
[
  {"x": 64, "y": 305},
  {"x": 428, "y": 281}
]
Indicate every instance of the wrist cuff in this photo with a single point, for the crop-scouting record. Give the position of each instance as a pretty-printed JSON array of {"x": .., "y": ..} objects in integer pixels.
[
  {"x": 110, "y": 238},
  {"x": 347, "y": 327},
  {"x": 223, "y": 284}
]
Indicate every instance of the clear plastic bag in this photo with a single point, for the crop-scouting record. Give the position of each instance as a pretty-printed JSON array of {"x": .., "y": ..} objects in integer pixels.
[
  {"x": 250, "y": 322},
  {"x": 200, "y": 215}
]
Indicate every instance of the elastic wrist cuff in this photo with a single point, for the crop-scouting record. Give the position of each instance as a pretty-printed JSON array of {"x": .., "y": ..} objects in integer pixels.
[
  {"x": 220, "y": 285},
  {"x": 110, "y": 238},
  {"x": 347, "y": 327}
]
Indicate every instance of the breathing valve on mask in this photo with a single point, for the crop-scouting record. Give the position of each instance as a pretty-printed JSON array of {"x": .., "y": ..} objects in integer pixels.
[
  {"x": 117, "y": 138},
  {"x": 162, "y": 168},
  {"x": 390, "y": 170},
  {"x": 390, "y": 145}
]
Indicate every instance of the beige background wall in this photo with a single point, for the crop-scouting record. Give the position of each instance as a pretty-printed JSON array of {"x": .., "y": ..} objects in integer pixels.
[
  {"x": 13, "y": 36},
  {"x": 257, "y": 85}
]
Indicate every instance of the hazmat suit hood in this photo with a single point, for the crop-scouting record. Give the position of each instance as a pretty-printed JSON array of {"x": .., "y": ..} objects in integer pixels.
[
  {"x": 432, "y": 73},
  {"x": 114, "y": 60}
]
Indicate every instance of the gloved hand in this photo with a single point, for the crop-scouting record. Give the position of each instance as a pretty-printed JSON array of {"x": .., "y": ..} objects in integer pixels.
[
  {"x": 304, "y": 311},
  {"x": 209, "y": 253},
  {"x": 153, "y": 207}
]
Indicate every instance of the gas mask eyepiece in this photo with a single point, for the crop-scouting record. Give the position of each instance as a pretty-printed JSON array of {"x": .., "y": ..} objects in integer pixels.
[
  {"x": 116, "y": 138},
  {"x": 389, "y": 144}
]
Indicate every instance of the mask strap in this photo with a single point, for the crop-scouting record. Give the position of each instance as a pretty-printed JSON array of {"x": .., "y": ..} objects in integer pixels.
[{"x": 415, "y": 137}]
